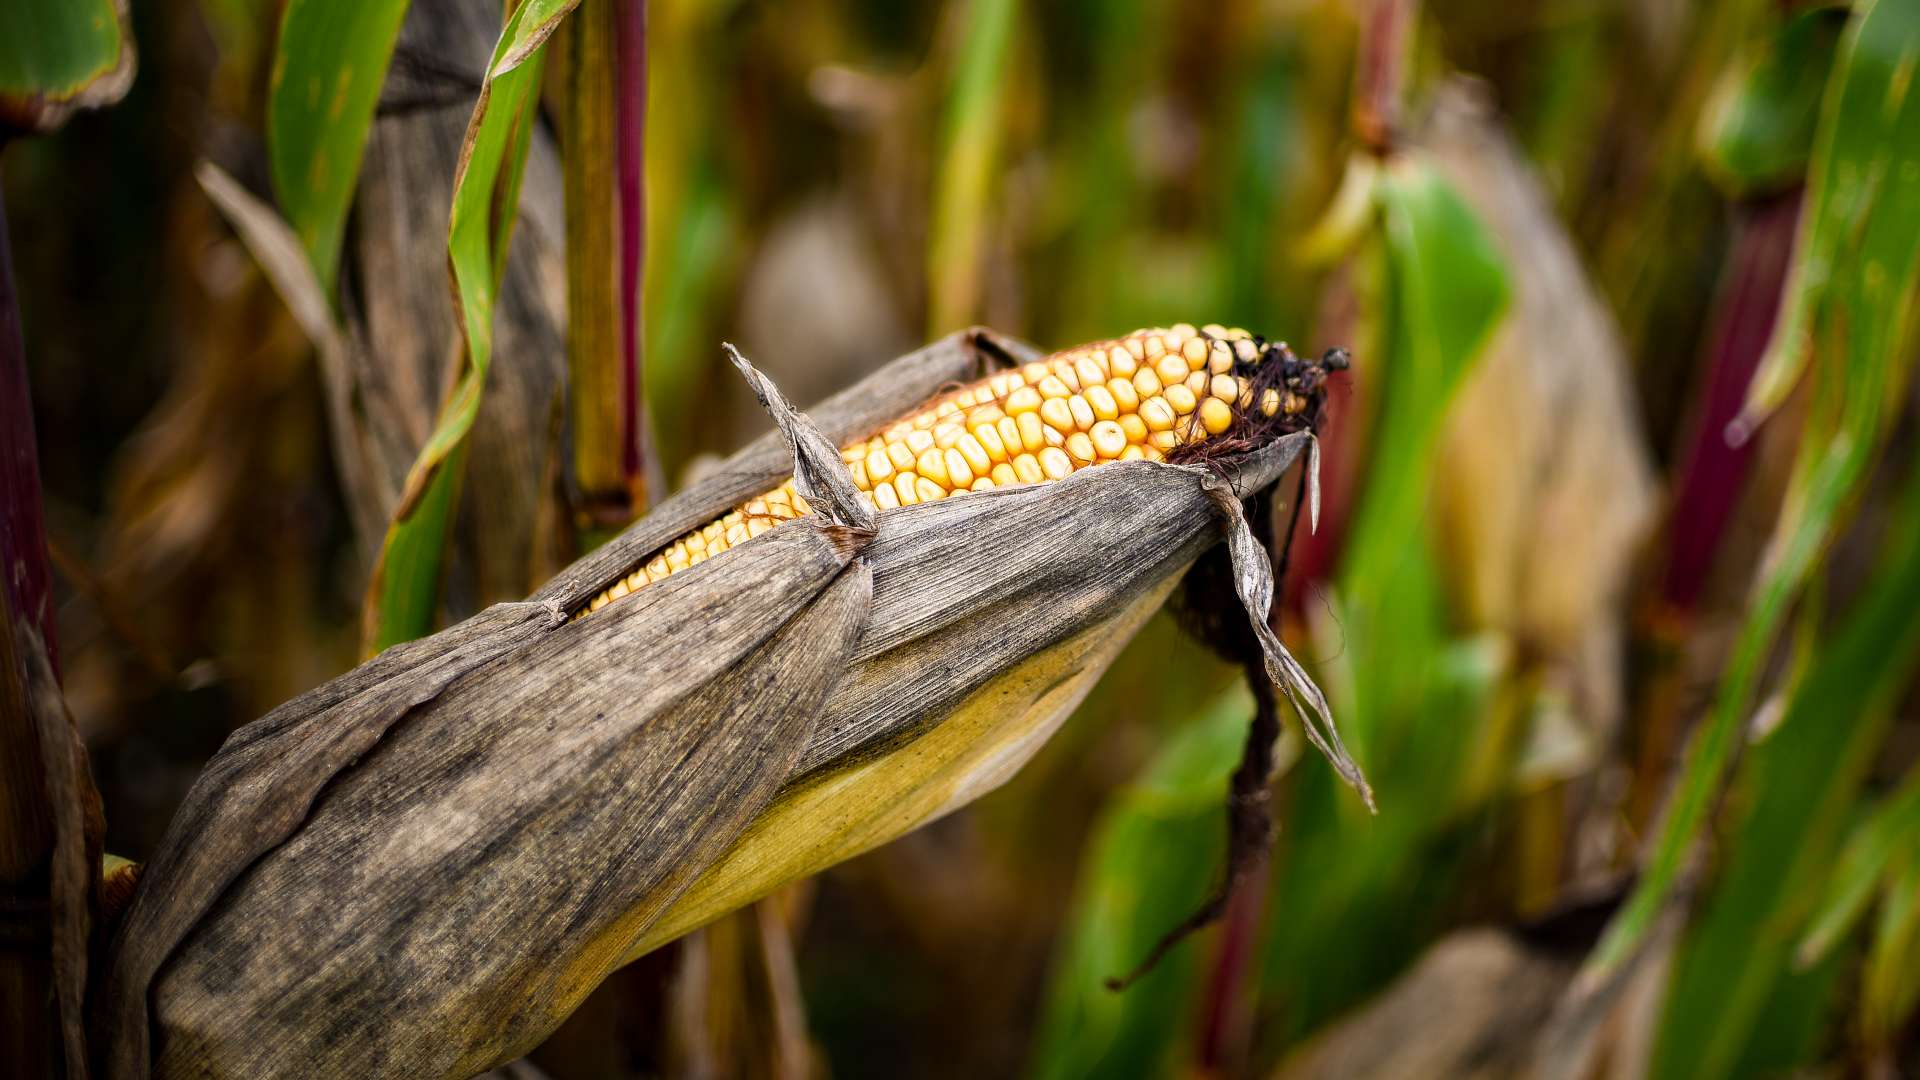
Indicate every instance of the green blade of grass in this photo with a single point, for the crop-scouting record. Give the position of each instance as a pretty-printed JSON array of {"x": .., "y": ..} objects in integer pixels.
[
  {"x": 969, "y": 154},
  {"x": 60, "y": 55},
  {"x": 1155, "y": 850},
  {"x": 404, "y": 591},
  {"x": 327, "y": 72},
  {"x": 1850, "y": 295}
]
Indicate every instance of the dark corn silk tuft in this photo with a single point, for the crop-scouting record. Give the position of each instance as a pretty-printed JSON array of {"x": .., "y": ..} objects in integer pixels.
[{"x": 1176, "y": 394}]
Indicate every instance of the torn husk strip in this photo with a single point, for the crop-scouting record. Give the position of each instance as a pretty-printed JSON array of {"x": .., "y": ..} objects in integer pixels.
[{"x": 422, "y": 867}]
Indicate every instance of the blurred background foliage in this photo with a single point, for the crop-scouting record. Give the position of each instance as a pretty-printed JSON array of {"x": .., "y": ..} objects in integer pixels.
[{"x": 1616, "y": 590}]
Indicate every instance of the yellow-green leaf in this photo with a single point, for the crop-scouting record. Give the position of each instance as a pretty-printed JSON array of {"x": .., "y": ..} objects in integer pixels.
[
  {"x": 405, "y": 589},
  {"x": 327, "y": 72}
]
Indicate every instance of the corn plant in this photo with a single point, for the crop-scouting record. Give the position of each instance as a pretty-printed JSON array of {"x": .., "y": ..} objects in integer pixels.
[{"x": 876, "y": 744}]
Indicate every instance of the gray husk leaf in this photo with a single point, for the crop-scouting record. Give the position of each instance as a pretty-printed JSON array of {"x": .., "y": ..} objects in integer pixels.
[{"x": 421, "y": 867}]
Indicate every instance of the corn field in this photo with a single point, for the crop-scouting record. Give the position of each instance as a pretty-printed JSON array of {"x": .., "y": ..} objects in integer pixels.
[{"x": 575, "y": 539}]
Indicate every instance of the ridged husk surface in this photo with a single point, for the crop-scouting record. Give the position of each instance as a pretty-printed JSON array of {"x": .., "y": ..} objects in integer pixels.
[{"x": 421, "y": 867}]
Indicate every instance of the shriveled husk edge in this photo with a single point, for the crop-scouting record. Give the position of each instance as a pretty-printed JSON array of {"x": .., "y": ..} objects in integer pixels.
[{"x": 347, "y": 893}]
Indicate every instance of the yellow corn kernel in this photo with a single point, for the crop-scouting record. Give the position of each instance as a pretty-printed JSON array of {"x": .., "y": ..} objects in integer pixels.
[
  {"x": 1216, "y": 416},
  {"x": 1009, "y": 430},
  {"x": 976, "y": 454},
  {"x": 1101, "y": 401},
  {"x": 933, "y": 466},
  {"x": 988, "y": 437},
  {"x": 1063, "y": 371},
  {"x": 959, "y": 470},
  {"x": 1033, "y": 435},
  {"x": 1080, "y": 447}
]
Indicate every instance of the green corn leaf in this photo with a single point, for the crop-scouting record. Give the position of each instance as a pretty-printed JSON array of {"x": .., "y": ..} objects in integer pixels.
[
  {"x": 1797, "y": 789},
  {"x": 1446, "y": 290},
  {"x": 404, "y": 592},
  {"x": 1892, "y": 828},
  {"x": 1850, "y": 296},
  {"x": 327, "y": 73},
  {"x": 534, "y": 22},
  {"x": 1758, "y": 126},
  {"x": 968, "y": 158},
  {"x": 1863, "y": 208},
  {"x": 1155, "y": 854},
  {"x": 60, "y": 55}
]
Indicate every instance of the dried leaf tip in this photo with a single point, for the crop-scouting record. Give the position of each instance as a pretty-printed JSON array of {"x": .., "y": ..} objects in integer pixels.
[
  {"x": 819, "y": 474},
  {"x": 1253, "y": 582}
]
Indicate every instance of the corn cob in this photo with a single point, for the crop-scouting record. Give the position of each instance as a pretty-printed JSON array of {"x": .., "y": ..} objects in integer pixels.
[
  {"x": 1152, "y": 394},
  {"x": 584, "y": 802}
]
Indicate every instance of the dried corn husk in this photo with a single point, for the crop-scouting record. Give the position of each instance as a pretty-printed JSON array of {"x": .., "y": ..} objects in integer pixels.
[{"x": 420, "y": 868}]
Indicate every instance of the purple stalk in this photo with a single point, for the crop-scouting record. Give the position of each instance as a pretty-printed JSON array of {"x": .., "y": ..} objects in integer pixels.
[
  {"x": 1226, "y": 1024},
  {"x": 630, "y": 103},
  {"x": 23, "y": 532},
  {"x": 1714, "y": 471}
]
